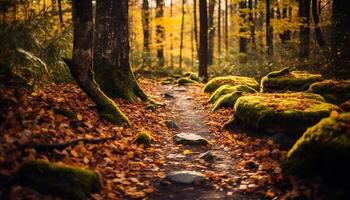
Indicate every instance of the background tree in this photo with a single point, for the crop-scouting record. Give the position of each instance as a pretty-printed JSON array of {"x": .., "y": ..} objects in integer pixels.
[
  {"x": 81, "y": 63},
  {"x": 111, "y": 59},
  {"x": 211, "y": 35},
  {"x": 160, "y": 33},
  {"x": 242, "y": 29},
  {"x": 203, "y": 37},
  {"x": 304, "y": 14}
]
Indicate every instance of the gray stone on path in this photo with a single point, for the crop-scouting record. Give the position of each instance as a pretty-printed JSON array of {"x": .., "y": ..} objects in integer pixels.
[
  {"x": 185, "y": 177},
  {"x": 207, "y": 156},
  {"x": 168, "y": 95},
  {"x": 190, "y": 138},
  {"x": 171, "y": 124}
]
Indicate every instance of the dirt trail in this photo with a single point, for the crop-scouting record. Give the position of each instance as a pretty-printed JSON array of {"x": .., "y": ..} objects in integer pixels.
[{"x": 191, "y": 118}]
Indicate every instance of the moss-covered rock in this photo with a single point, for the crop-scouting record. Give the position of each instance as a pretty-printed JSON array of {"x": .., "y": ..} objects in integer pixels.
[
  {"x": 289, "y": 113},
  {"x": 323, "y": 150},
  {"x": 215, "y": 83},
  {"x": 185, "y": 81},
  {"x": 144, "y": 137},
  {"x": 191, "y": 76},
  {"x": 226, "y": 89},
  {"x": 228, "y": 100},
  {"x": 58, "y": 179},
  {"x": 333, "y": 91},
  {"x": 284, "y": 80}
]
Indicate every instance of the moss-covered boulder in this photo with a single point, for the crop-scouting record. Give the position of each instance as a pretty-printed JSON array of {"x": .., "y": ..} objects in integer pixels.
[
  {"x": 185, "y": 81},
  {"x": 191, "y": 76},
  {"x": 284, "y": 80},
  {"x": 58, "y": 179},
  {"x": 226, "y": 89},
  {"x": 323, "y": 150},
  {"x": 289, "y": 113},
  {"x": 144, "y": 138},
  {"x": 333, "y": 91},
  {"x": 215, "y": 83}
]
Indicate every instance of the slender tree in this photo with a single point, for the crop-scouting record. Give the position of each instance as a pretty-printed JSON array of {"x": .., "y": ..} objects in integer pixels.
[
  {"x": 316, "y": 17},
  {"x": 160, "y": 33},
  {"x": 111, "y": 59},
  {"x": 211, "y": 32},
  {"x": 171, "y": 38},
  {"x": 203, "y": 37},
  {"x": 242, "y": 29},
  {"x": 226, "y": 25},
  {"x": 252, "y": 23},
  {"x": 182, "y": 31},
  {"x": 60, "y": 14},
  {"x": 81, "y": 63},
  {"x": 304, "y": 34},
  {"x": 195, "y": 25},
  {"x": 219, "y": 27},
  {"x": 146, "y": 33},
  {"x": 269, "y": 30}
]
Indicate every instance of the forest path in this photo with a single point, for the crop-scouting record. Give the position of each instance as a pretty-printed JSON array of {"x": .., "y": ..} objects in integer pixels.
[{"x": 190, "y": 117}]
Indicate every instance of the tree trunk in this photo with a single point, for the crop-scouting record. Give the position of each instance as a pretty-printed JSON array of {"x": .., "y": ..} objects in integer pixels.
[
  {"x": 252, "y": 23},
  {"x": 203, "y": 37},
  {"x": 171, "y": 38},
  {"x": 242, "y": 29},
  {"x": 211, "y": 32},
  {"x": 304, "y": 35},
  {"x": 341, "y": 38},
  {"x": 81, "y": 63},
  {"x": 182, "y": 32},
  {"x": 269, "y": 30},
  {"x": 60, "y": 14},
  {"x": 195, "y": 26},
  {"x": 316, "y": 16},
  {"x": 14, "y": 10},
  {"x": 219, "y": 27},
  {"x": 111, "y": 58},
  {"x": 226, "y": 25},
  {"x": 160, "y": 33},
  {"x": 146, "y": 33}
]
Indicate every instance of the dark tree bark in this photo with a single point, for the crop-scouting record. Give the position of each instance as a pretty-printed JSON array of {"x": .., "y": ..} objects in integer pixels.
[
  {"x": 242, "y": 29},
  {"x": 316, "y": 16},
  {"x": 182, "y": 32},
  {"x": 211, "y": 32},
  {"x": 14, "y": 10},
  {"x": 269, "y": 30},
  {"x": 146, "y": 33},
  {"x": 203, "y": 37},
  {"x": 171, "y": 38},
  {"x": 160, "y": 33},
  {"x": 226, "y": 25},
  {"x": 195, "y": 26},
  {"x": 111, "y": 58},
  {"x": 341, "y": 38},
  {"x": 219, "y": 27},
  {"x": 304, "y": 35},
  {"x": 60, "y": 14},
  {"x": 81, "y": 63}
]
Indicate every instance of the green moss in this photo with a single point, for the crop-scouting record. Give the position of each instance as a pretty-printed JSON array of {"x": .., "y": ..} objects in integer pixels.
[
  {"x": 289, "y": 113},
  {"x": 334, "y": 91},
  {"x": 64, "y": 112},
  {"x": 58, "y": 179},
  {"x": 226, "y": 89},
  {"x": 151, "y": 107},
  {"x": 191, "y": 76},
  {"x": 228, "y": 100},
  {"x": 109, "y": 111},
  {"x": 144, "y": 137},
  {"x": 284, "y": 80},
  {"x": 323, "y": 150},
  {"x": 185, "y": 81},
  {"x": 215, "y": 83}
]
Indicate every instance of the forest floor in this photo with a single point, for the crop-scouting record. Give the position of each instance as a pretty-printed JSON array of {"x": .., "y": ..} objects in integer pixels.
[{"x": 244, "y": 166}]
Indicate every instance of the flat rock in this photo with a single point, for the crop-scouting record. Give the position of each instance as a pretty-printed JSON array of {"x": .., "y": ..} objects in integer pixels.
[
  {"x": 207, "y": 156},
  {"x": 171, "y": 124},
  {"x": 185, "y": 177},
  {"x": 168, "y": 95},
  {"x": 190, "y": 138}
]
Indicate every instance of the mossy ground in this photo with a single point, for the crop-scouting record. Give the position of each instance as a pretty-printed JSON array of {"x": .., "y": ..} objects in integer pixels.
[
  {"x": 215, "y": 83},
  {"x": 323, "y": 150},
  {"x": 186, "y": 81},
  {"x": 62, "y": 180},
  {"x": 283, "y": 80},
  {"x": 289, "y": 113},
  {"x": 226, "y": 89},
  {"x": 334, "y": 91},
  {"x": 191, "y": 76}
]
